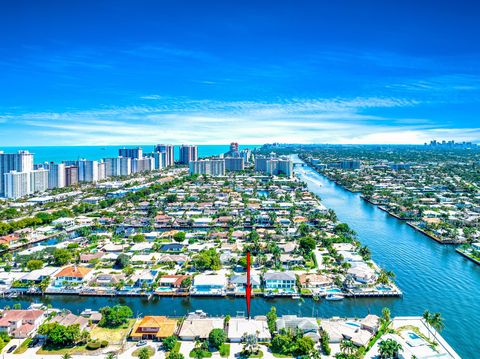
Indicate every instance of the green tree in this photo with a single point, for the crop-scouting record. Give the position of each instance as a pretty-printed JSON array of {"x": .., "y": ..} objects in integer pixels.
[
  {"x": 61, "y": 256},
  {"x": 144, "y": 353},
  {"x": 307, "y": 244},
  {"x": 304, "y": 346},
  {"x": 173, "y": 355},
  {"x": 179, "y": 237},
  {"x": 169, "y": 343},
  {"x": 113, "y": 317},
  {"x": 216, "y": 338},
  {"x": 389, "y": 349},
  {"x": 272, "y": 320},
  {"x": 137, "y": 238},
  {"x": 34, "y": 264},
  {"x": 122, "y": 261}
]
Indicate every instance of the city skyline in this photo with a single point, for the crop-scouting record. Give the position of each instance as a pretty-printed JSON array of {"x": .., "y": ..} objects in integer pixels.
[{"x": 344, "y": 73}]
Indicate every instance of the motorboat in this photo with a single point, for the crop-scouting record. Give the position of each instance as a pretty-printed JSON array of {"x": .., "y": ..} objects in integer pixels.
[{"x": 335, "y": 296}]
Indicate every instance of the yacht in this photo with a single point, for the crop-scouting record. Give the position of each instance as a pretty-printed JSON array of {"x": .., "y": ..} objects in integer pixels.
[{"x": 335, "y": 296}]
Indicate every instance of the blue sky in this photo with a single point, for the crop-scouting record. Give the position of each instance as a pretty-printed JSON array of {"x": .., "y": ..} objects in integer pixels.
[{"x": 209, "y": 72}]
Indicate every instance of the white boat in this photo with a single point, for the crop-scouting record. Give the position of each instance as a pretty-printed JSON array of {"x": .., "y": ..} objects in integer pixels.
[
  {"x": 296, "y": 296},
  {"x": 334, "y": 296}
]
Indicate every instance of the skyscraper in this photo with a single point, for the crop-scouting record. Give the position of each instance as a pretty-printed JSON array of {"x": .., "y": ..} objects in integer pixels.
[
  {"x": 131, "y": 152},
  {"x": 102, "y": 174},
  {"x": 22, "y": 161},
  {"x": 87, "y": 171},
  {"x": 118, "y": 166},
  {"x": 71, "y": 175},
  {"x": 188, "y": 153},
  {"x": 169, "y": 153},
  {"x": 214, "y": 167},
  {"x": 234, "y": 164},
  {"x": 56, "y": 175},
  {"x": 143, "y": 164},
  {"x": 38, "y": 180},
  {"x": 17, "y": 184}
]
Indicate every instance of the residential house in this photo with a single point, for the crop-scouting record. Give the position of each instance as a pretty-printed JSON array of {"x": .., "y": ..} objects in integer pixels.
[
  {"x": 239, "y": 327},
  {"x": 153, "y": 327},
  {"x": 308, "y": 326},
  {"x": 199, "y": 328},
  {"x": 21, "y": 323},
  {"x": 72, "y": 276}
]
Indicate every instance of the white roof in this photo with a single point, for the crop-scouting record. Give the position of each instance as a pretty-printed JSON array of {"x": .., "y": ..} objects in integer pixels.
[{"x": 238, "y": 327}]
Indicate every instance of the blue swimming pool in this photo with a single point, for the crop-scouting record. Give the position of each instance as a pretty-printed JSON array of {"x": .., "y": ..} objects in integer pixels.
[
  {"x": 334, "y": 291},
  {"x": 353, "y": 324},
  {"x": 413, "y": 335}
]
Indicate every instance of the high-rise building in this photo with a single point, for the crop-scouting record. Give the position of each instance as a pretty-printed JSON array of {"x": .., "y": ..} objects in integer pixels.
[
  {"x": 188, "y": 153},
  {"x": 22, "y": 161},
  {"x": 102, "y": 174},
  {"x": 56, "y": 175},
  {"x": 17, "y": 184},
  {"x": 274, "y": 165},
  {"x": 38, "y": 180},
  {"x": 169, "y": 153},
  {"x": 131, "y": 152},
  {"x": 87, "y": 171},
  {"x": 234, "y": 164},
  {"x": 261, "y": 163},
  {"x": 118, "y": 166},
  {"x": 71, "y": 175},
  {"x": 246, "y": 154},
  {"x": 159, "y": 158},
  {"x": 144, "y": 164},
  {"x": 214, "y": 167}
]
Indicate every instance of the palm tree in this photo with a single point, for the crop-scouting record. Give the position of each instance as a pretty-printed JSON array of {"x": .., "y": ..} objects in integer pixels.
[
  {"x": 111, "y": 356},
  {"x": 347, "y": 347},
  {"x": 66, "y": 356},
  {"x": 386, "y": 316},
  {"x": 435, "y": 320},
  {"x": 389, "y": 349}
]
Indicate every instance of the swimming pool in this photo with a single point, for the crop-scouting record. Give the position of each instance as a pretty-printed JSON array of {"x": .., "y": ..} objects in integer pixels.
[
  {"x": 353, "y": 324},
  {"x": 334, "y": 291},
  {"x": 413, "y": 335}
]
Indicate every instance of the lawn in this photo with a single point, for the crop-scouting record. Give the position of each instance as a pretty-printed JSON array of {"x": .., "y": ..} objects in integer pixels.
[
  {"x": 23, "y": 347},
  {"x": 112, "y": 335},
  {"x": 205, "y": 354},
  {"x": 151, "y": 351}
]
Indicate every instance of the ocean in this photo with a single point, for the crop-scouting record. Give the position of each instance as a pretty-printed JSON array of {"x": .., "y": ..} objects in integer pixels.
[{"x": 62, "y": 153}]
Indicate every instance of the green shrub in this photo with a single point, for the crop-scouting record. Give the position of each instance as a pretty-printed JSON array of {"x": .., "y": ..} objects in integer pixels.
[{"x": 94, "y": 345}]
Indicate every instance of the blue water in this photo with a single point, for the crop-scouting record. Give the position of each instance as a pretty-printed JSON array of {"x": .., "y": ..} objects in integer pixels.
[{"x": 61, "y": 153}]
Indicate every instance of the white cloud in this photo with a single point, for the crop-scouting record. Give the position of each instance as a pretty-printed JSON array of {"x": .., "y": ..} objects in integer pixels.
[{"x": 180, "y": 120}]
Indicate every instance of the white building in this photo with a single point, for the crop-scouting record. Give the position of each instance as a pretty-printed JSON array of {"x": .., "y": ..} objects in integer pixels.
[
  {"x": 118, "y": 166},
  {"x": 38, "y": 180},
  {"x": 22, "y": 161},
  {"x": 16, "y": 184},
  {"x": 214, "y": 167},
  {"x": 144, "y": 164}
]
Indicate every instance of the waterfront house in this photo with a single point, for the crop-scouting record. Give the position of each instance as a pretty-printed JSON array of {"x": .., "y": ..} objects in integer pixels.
[
  {"x": 279, "y": 280},
  {"x": 239, "y": 327},
  {"x": 314, "y": 281},
  {"x": 37, "y": 275},
  {"x": 19, "y": 323},
  {"x": 239, "y": 282},
  {"x": 142, "y": 278},
  {"x": 308, "y": 326},
  {"x": 153, "y": 327},
  {"x": 72, "y": 276},
  {"x": 209, "y": 284},
  {"x": 199, "y": 328},
  {"x": 173, "y": 281},
  {"x": 64, "y": 222}
]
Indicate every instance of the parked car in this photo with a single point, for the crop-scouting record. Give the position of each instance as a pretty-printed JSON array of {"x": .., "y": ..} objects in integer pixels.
[
  {"x": 11, "y": 349},
  {"x": 141, "y": 343}
]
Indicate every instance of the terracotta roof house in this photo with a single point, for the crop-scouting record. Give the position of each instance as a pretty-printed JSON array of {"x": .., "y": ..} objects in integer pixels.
[
  {"x": 153, "y": 327},
  {"x": 72, "y": 275},
  {"x": 21, "y": 323}
]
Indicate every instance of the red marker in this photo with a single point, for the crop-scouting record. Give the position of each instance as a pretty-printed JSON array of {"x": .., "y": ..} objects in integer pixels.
[{"x": 248, "y": 289}]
